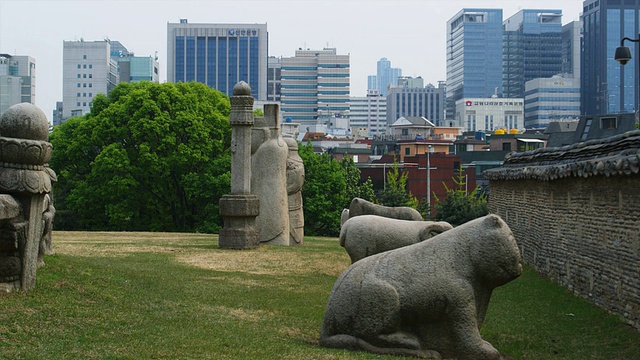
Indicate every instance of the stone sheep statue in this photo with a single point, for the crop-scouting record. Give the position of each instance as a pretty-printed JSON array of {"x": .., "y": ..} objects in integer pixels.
[
  {"x": 363, "y": 207},
  {"x": 424, "y": 300},
  {"x": 367, "y": 235}
]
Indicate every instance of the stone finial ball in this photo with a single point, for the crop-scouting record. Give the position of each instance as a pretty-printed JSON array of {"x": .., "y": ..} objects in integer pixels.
[
  {"x": 242, "y": 89},
  {"x": 24, "y": 121}
]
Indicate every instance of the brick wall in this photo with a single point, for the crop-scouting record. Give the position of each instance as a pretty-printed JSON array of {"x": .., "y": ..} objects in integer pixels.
[{"x": 580, "y": 228}]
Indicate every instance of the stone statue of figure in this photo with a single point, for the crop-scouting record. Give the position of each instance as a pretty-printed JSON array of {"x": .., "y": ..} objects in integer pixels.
[
  {"x": 48, "y": 214},
  {"x": 295, "y": 180},
  {"x": 269, "y": 177}
]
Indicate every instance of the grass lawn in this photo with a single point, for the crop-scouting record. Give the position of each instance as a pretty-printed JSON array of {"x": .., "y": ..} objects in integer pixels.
[{"x": 177, "y": 296}]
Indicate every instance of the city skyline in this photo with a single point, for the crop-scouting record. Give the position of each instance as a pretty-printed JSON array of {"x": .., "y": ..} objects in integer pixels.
[{"x": 411, "y": 34}]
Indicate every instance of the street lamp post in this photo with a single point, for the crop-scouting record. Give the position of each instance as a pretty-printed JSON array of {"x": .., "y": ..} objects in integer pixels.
[
  {"x": 623, "y": 55},
  {"x": 429, "y": 179}
]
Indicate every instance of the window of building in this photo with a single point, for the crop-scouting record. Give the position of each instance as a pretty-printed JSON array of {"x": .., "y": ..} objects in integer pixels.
[
  {"x": 90, "y": 94},
  {"x": 90, "y": 76},
  {"x": 84, "y": 85},
  {"x": 608, "y": 123},
  {"x": 78, "y": 66},
  {"x": 84, "y": 103},
  {"x": 84, "y": 56},
  {"x": 78, "y": 76},
  {"x": 78, "y": 104},
  {"x": 84, "y": 76},
  {"x": 405, "y": 131},
  {"x": 84, "y": 94},
  {"x": 407, "y": 151},
  {"x": 78, "y": 84},
  {"x": 90, "y": 66},
  {"x": 78, "y": 94},
  {"x": 506, "y": 146},
  {"x": 90, "y": 84},
  {"x": 84, "y": 66}
]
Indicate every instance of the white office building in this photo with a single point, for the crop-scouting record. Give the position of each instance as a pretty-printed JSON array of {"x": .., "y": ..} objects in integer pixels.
[
  {"x": 315, "y": 86},
  {"x": 368, "y": 114},
  {"x": 17, "y": 80},
  {"x": 88, "y": 69},
  {"x": 489, "y": 114}
]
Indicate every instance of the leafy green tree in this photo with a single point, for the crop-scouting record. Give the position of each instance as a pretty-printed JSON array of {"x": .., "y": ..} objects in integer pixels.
[
  {"x": 148, "y": 156},
  {"x": 355, "y": 186},
  {"x": 460, "y": 207},
  {"x": 323, "y": 193},
  {"x": 395, "y": 191}
]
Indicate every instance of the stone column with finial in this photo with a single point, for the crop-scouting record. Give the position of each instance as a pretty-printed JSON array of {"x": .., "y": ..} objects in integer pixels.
[
  {"x": 25, "y": 181},
  {"x": 240, "y": 208}
]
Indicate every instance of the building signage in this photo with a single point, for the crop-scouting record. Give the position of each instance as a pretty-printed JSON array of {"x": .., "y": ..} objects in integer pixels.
[
  {"x": 494, "y": 103},
  {"x": 243, "y": 32}
]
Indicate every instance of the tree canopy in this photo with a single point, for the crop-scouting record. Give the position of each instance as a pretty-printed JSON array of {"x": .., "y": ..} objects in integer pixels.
[
  {"x": 460, "y": 207},
  {"x": 148, "y": 156}
]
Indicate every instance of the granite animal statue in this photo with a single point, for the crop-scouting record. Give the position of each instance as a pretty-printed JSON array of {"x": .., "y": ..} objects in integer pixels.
[
  {"x": 367, "y": 235},
  {"x": 425, "y": 300},
  {"x": 295, "y": 181},
  {"x": 344, "y": 216},
  {"x": 360, "y": 206}
]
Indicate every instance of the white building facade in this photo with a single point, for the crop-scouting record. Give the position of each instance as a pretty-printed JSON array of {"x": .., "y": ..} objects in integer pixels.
[
  {"x": 489, "y": 114},
  {"x": 87, "y": 70},
  {"x": 17, "y": 80},
  {"x": 315, "y": 86},
  {"x": 368, "y": 114}
]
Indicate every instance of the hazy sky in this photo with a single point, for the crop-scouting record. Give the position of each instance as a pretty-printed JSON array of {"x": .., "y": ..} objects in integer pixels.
[{"x": 411, "y": 34}]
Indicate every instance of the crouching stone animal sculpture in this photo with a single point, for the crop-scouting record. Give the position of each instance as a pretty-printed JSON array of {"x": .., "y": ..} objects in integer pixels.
[
  {"x": 367, "y": 235},
  {"x": 363, "y": 207},
  {"x": 425, "y": 300}
]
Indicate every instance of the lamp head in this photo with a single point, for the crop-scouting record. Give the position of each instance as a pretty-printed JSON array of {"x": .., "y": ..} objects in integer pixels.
[{"x": 622, "y": 55}]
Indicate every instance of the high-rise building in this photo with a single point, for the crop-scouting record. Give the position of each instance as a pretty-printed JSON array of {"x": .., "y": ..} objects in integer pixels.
[
  {"x": 274, "y": 73},
  {"x": 474, "y": 56},
  {"x": 315, "y": 86},
  {"x": 606, "y": 86},
  {"x": 138, "y": 68},
  {"x": 369, "y": 112},
  {"x": 571, "y": 45},
  {"x": 410, "y": 98},
  {"x": 385, "y": 76},
  {"x": 551, "y": 99},
  {"x": 532, "y": 48},
  {"x": 219, "y": 55},
  {"x": 17, "y": 80},
  {"x": 88, "y": 69}
]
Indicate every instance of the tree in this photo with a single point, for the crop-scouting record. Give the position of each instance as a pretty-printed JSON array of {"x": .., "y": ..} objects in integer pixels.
[
  {"x": 395, "y": 191},
  {"x": 148, "y": 156},
  {"x": 355, "y": 186},
  {"x": 460, "y": 207}
]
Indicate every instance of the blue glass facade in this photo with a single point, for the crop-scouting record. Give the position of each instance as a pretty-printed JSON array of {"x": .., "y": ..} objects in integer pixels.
[
  {"x": 219, "y": 55},
  {"x": 474, "y": 54},
  {"x": 532, "y": 48},
  {"x": 606, "y": 86}
]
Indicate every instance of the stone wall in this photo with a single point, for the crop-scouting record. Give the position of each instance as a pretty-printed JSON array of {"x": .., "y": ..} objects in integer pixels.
[{"x": 575, "y": 212}]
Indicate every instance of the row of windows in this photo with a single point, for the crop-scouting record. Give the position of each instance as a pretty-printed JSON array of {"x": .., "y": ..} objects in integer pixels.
[
  {"x": 299, "y": 77},
  {"x": 552, "y": 98},
  {"x": 333, "y": 75},
  {"x": 84, "y": 66},
  {"x": 85, "y": 95},
  {"x": 292, "y": 68},
  {"x": 553, "y": 90},
  {"x": 84, "y": 76},
  {"x": 561, "y": 108},
  {"x": 85, "y": 84},
  {"x": 84, "y": 103}
]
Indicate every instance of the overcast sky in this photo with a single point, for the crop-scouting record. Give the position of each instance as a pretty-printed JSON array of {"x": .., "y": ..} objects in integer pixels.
[{"x": 411, "y": 34}]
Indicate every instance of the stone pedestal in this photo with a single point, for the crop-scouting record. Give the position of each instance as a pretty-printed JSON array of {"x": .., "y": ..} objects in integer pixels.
[{"x": 239, "y": 213}]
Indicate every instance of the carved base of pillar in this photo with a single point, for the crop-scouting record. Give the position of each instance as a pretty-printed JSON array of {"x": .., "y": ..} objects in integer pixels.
[{"x": 239, "y": 213}]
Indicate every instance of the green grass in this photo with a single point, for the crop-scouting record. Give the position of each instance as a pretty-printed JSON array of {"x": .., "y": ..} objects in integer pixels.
[{"x": 177, "y": 296}]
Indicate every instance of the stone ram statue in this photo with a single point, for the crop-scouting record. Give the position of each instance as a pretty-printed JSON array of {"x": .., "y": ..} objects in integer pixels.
[{"x": 363, "y": 207}]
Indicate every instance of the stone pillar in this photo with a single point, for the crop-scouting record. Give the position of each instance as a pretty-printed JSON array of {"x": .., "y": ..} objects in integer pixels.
[
  {"x": 240, "y": 208},
  {"x": 25, "y": 181}
]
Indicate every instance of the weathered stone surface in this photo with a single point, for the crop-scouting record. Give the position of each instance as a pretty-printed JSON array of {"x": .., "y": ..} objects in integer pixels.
[
  {"x": 269, "y": 177},
  {"x": 9, "y": 207},
  {"x": 24, "y": 121},
  {"x": 426, "y": 300},
  {"x": 363, "y": 207},
  {"x": 295, "y": 181},
  {"x": 367, "y": 235}
]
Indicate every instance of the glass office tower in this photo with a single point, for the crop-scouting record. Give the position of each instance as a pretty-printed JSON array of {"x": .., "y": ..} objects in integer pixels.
[
  {"x": 474, "y": 56},
  {"x": 532, "y": 49},
  {"x": 219, "y": 55},
  {"x": 606, "y": 86}
]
